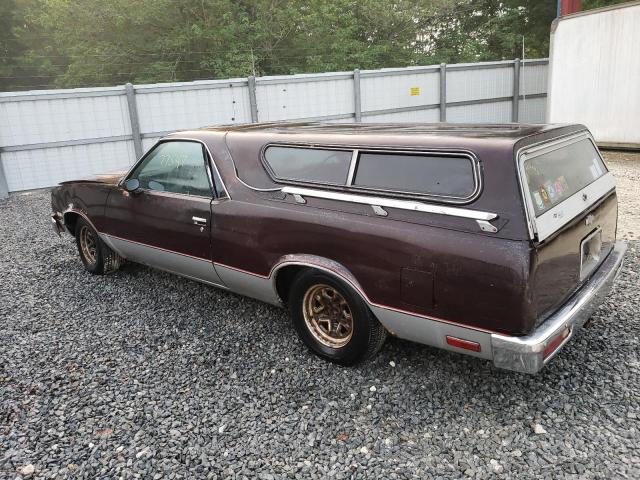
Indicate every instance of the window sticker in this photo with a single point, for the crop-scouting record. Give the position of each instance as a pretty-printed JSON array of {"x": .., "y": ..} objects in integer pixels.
[
  {"x": 551, "y": 191},
  {"x": 544, "y": 195},
  {"x": 561, "y": 186},
  {"x": 538, "y": 199}
]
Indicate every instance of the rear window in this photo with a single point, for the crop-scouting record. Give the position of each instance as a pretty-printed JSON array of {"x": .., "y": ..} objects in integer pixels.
[
  {"x": 554, "y": 176},
  {"x": 309, "y": 165},
  {"x": 450, "y": 175}
]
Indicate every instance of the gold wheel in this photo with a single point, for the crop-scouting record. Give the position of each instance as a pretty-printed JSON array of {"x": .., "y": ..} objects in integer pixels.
[
  {"x": 88, "y": 245},
  {"x": 328, "y": 316}
]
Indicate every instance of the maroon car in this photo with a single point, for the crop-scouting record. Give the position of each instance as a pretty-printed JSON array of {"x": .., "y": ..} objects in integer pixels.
[{"x": 497, "y": 241}]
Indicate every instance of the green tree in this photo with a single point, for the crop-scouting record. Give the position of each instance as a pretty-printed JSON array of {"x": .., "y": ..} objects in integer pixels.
[{"x": 69, "y": 43}]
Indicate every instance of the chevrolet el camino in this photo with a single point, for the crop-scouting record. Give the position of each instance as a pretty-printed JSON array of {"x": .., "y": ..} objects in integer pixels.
[{"x": 496, "y": 241}]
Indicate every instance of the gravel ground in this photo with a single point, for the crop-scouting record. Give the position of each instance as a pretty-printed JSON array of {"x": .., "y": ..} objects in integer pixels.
[
  {"x": 626, "y": 167},
  {"x": 141, "y": 374}
]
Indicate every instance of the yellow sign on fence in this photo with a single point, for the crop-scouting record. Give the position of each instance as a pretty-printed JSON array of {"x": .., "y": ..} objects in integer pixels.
[{"x": 414, "y": 91}]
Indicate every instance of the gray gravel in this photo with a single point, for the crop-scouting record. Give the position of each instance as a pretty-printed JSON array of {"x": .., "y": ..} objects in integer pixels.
[{"x": 142, "y": 374}]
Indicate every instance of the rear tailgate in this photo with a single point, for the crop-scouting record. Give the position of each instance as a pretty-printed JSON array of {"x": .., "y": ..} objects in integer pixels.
[{"x": 573, "y": 211}]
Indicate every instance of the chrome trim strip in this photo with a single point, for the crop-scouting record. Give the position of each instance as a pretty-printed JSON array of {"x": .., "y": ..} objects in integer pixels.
[
  {"x": 352, "y": 167},
  {"x": 391, "y": 203},
  {"x": 299, "y": 199},
  {"x": 378, "y": 210},
  {"x": 525, "y": 354},
  {"x": 485, "y": 226}
]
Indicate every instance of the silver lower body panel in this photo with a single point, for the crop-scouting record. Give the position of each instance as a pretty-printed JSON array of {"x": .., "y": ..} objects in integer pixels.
[{"x": 185, "y": 265}]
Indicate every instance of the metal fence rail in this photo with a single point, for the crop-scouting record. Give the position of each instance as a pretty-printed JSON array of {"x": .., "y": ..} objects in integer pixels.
[{"x": 49, "y": 136}]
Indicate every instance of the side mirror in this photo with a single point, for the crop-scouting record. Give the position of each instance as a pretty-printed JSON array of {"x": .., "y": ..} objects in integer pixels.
[{"x": 131, "y": 185}]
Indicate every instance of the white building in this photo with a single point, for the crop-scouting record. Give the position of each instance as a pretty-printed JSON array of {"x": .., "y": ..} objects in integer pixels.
[{"x": 594, "y": 73}]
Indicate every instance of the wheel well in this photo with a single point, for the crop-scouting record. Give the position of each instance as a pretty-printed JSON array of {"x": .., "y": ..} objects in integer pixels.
[
  {"x": 284, "y": 280},
  {"x": 70, "y": 220}
]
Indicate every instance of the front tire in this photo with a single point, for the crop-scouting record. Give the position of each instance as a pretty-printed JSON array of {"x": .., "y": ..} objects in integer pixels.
[
  {"x": 333, "y": 320},
  {"x": 96, "y": 257}
]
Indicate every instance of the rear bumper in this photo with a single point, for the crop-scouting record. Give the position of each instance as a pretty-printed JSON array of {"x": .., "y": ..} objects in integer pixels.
[{"x": 531, "y": 352}]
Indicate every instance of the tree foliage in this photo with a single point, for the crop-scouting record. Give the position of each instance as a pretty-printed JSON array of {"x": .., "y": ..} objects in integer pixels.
[{"x": 70, "y": 43}]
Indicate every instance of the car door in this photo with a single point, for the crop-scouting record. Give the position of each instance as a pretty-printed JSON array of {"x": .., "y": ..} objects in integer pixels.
[{"x": 166, "y": 222}]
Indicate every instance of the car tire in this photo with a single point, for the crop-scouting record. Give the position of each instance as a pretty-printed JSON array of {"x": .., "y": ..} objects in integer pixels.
[
  {"x": 333, "y": 320},
  {"x": 96, "y": 257}
]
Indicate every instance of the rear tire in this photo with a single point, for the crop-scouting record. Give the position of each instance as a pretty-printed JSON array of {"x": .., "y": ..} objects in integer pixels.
[
  {"x": 96, "y": 257},
  {"x": 333, "y": 320}
]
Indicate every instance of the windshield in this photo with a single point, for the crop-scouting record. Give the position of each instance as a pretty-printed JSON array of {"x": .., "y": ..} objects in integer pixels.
[{"x": 554, "y": 176}]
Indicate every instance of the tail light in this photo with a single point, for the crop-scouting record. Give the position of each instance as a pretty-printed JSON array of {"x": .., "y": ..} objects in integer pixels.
[
  {"x": 555, "y": 342},
  {"x": 460, "y": 343}
]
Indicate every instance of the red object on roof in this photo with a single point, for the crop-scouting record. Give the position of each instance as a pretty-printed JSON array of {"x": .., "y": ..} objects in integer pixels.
[{"x": 570, "y": 6}]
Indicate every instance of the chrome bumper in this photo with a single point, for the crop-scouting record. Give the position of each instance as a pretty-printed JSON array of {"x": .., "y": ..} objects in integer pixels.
[{"x": 527, "y": 354}]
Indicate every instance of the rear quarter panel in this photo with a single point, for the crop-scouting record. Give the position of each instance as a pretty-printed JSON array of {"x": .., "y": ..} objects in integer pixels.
[{"x": 462, "y": 277}]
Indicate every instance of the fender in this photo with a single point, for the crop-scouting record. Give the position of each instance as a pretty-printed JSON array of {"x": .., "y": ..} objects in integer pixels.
[
  {"x": 319, "y": 263},
  {"x": 75, "y": 208}
]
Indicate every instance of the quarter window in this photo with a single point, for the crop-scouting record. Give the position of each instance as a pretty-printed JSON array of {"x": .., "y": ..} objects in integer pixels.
[
  {"x": 177, "y": 167},
  {"x": 449, "y": 176},
  {"x": 309, "y": 164}
]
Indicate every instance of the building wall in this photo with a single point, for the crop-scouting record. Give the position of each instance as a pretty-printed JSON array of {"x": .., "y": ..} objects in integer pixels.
[{"x": 594, "y": 75}]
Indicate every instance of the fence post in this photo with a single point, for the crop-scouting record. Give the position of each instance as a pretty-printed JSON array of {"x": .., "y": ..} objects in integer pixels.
[
  {"x": 443, "y": 92},
  {"x": 253, "y": 103},
  {"x": 515, "y": 106},
  {"x": 133, "y": 117},
  {"x": 357, "y": 98},
  {"x": 4, "y": 187}
]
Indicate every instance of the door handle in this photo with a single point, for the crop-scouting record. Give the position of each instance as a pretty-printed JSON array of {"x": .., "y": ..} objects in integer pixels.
[{"x": 199, "y": 221}]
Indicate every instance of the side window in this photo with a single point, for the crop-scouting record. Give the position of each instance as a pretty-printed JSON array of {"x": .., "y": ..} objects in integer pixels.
[
  {"x": 450, "y": 176},
  {"x": 309, "y": 164},
  {"x": 177, "y": 167}
]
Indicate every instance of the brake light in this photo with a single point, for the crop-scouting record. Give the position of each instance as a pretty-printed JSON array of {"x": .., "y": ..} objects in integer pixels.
[
  {"x": 460, "y": 343},
  {"x": 553, "y": 345}
]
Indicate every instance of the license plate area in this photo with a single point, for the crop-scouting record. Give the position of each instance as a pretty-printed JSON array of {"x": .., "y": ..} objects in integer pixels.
[{"x": 590, "y": 253}]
